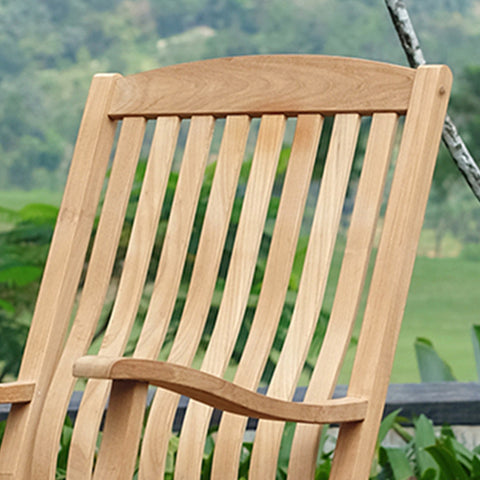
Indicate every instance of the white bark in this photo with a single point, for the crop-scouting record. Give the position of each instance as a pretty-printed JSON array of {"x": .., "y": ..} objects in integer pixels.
[{"x": 451, "y": 138}]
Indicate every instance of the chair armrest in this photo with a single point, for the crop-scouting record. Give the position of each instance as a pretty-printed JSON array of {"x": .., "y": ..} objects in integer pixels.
[
  {"x": 16, "y": 392},
  {"x": 219, "y": 393}
]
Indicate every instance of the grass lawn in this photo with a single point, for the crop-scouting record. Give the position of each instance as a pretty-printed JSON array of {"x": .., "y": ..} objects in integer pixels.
[
  {"x": 443, "y": 304},
  {"x": 16, "y": 199}
]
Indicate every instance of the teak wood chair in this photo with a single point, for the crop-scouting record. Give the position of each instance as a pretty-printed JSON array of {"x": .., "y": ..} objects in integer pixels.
[{"x": 233, "y": 103}]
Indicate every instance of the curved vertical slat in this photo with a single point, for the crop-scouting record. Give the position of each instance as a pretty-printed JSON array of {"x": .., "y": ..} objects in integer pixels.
[
  {"x": 165, "y": 291},
  {"x": 277, "y": 273},
  {"x": 89, "y": 415},
  {"x": 209, "y": 251},
  {"x": 118, "y": 452},
  {"x": 174, "y": 250},
  {"x": 237, "y": 286},
  {"x": 93, "y": 294},
  {"x": 393, "y": 266},
  {"x": 62, "y": 272},
  {"x": 349, "y": 288},
  {"x": 312, "y": 287}
]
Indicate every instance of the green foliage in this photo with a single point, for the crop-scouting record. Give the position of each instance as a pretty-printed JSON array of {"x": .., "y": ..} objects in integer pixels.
[
  {"x": 50, "y": 49},
  {"x": 471, "y": 252},
  {"x": 476, "y": 347},
  {"x": 428, "y": 455},
  {"x": 433, "y": 368},
  {"x": 453, "y": 209},
  {"x": 65, "y": 441},
  {"x": 425, "y": 454},
  {"x": 466, "y": 105},
  {"x": 24, "y": 241}
]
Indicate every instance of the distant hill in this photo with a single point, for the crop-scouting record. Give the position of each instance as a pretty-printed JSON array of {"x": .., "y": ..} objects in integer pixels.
[{"x": 49, "y": 49}]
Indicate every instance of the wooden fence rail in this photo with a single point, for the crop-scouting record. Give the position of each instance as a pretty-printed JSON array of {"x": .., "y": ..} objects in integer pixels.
[{"x": 454, "y": 403}]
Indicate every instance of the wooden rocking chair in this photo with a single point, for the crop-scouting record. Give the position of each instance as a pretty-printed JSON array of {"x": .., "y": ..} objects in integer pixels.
[{"x": 171, "y": 293}]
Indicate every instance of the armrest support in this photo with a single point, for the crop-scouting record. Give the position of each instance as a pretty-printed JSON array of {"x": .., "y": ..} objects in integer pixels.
[
  {"x": 16, "y": 392},
  {"x": 219, "y": 393}
]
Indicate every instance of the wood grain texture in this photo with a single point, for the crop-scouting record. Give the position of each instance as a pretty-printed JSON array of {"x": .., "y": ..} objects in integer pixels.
[
  {"x": 117, "y": 455},
  {"x": 277, "y": 276},
  {"x": 284, "y": 240},
  {"x": 323, "y": 236},
  {"x": 202, "y": 284},
  {"x": 16, "y": 392},
  {"x": 208, "y": 255},
  {"x": 437, "y": 401},
  {"x": 219, "y": 393},
  {"x": 288, "y": 84},
  {"x": 350, "y": 285},
  {"x": 238, "y": 283},
  {"x": 273, "y": 88},
  {"x": 93, "y": 294},
  {"x": 62, "y": 273},
  {"x": 133, "y": 277},
  {"x": 394, "y": 265}
]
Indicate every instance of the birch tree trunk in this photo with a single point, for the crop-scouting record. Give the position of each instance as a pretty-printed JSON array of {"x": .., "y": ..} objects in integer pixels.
[{"x": 451, "y": 138}]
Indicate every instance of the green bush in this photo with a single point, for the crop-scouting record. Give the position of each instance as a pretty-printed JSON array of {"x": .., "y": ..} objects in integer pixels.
[
  {"x": 471, "y": 252},
  {"x": 424, "y": 454}
]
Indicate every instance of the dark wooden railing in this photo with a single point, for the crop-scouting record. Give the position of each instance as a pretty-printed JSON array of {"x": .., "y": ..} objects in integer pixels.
[{"x": 454, "y": 403}]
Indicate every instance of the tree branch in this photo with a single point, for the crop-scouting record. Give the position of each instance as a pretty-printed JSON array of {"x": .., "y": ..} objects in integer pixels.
[{"x": 450, "y": 136}]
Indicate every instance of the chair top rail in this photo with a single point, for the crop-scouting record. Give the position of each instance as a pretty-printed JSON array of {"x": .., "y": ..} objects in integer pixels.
[{"x": 255, "y": 85}]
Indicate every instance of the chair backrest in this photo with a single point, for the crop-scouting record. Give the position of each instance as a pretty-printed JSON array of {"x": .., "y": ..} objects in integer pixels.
[{"x": 219, "y": 274}]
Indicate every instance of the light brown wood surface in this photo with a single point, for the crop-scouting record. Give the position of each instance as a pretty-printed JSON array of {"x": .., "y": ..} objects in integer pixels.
[
  {"x": 394, "y": 264},
  {"x": 349, "y": 289},
  {"x": 16, "y": 392},
  {"x": 215, "y": 391},
  {"x": 61, "y": 275},
  {"x": 193, "y": 305},
  {"x": 289, "y": 84}
]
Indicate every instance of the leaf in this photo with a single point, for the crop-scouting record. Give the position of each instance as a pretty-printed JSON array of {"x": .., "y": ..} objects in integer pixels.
[
  {"x": 171, "y": 453},
  {"x": 475, "y": 468},
  {"x": 424, "y": 437},
  {"x": 19, "y": 275},
  {"x": 245, "y": 456},
  {"x": 429, "y": 474},
  {"x": 39, "y": 213},
  {"x": 7, "y": 306},
  {"x": 322, "y": 472},
  {"x": 283, "y": 160},
  {"x": 398, "y": 460},
  {"x": 8, "y": 215},
  {"x": 476, "y": 347},
  {"x": 285, "y": 446},
  {"x": 65, "y": 441},
  {"x": 387, "y": 424},
  {"x": 432, "y": 368},
  {"x": 402, "y": 432},
  {"x": 449, "y": 465}
]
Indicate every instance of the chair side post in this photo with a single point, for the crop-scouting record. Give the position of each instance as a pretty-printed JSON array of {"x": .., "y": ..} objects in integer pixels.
[{"x": 62, "y": 273}]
